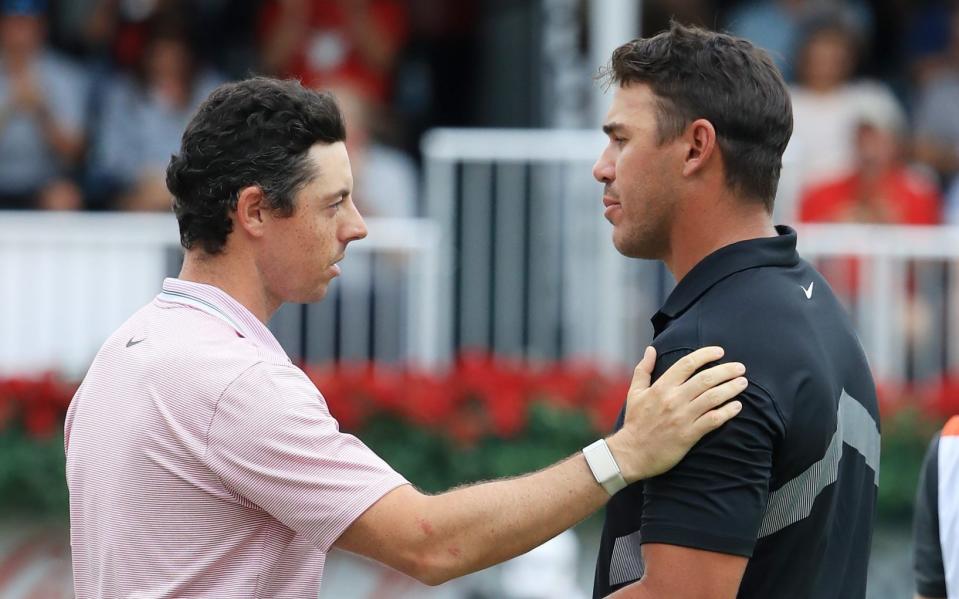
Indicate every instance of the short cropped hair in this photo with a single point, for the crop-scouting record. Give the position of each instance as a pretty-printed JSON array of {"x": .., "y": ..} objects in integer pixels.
[
  {"x": 253, "y": 132},
  {"x": 695, "y": 74}
]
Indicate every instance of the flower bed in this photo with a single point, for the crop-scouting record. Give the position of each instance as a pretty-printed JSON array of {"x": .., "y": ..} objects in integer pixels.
[{"x": 485, "y": 418}]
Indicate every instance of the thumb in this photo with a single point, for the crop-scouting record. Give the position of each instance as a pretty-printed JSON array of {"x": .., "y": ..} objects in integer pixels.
[{"x": 644, "y": 370}]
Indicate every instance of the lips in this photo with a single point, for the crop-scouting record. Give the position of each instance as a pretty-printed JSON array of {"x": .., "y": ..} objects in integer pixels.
[
  {"x": 335, "y": 267},
  {"x": 613, "y": 207}
]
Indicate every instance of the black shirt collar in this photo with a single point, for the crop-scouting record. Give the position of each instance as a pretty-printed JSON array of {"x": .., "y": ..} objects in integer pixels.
[{"x": 726, "y": 261}]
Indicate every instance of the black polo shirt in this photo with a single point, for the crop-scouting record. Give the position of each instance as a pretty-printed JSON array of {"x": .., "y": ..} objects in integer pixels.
[{"x": 791, "y": 481}]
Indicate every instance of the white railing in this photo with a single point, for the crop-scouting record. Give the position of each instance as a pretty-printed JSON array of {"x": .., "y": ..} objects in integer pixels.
[
  {"x": 523, "y": 232},
  {"x": 516, "y": 260},
  {"x": 901, "y": 285},
  {"x": 68, "y": 280},
  {"x": 533, "y": 272}
]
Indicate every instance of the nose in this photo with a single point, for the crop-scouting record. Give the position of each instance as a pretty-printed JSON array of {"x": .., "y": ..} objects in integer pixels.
[
  {"x": 604, "y": 170},
  {"x": 354, "y": 228}
]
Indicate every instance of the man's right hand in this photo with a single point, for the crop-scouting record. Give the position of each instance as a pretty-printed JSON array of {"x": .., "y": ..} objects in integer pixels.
[{"x": 664, "y": 420}]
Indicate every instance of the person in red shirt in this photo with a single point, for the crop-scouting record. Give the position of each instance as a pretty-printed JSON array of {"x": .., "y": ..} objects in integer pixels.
[
  {"x": 881, "y": 188},
  {"x": 322, "y": 41}
]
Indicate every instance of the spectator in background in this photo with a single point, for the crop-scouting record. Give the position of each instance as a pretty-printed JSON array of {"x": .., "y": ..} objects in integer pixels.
[
  {"x": 41, "y": 113},
  {"x": 928, "y": 40},
  {"x": 777, "y": 25},
  {"x": 385, "y": 179},
  {"x": 143, "y": 118},
  {"x": 771, "y": 25},
  {"x": 827, "y": 103},
  {"x": 325, "y": 41},
  {"x": 937, "y": 117},
  {"x": 880, "y": 187}
]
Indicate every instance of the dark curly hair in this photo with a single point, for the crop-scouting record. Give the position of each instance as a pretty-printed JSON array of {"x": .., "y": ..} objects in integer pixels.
[
  {"x": 253, "y": 132},
  {"x": 726, "y": 80}
]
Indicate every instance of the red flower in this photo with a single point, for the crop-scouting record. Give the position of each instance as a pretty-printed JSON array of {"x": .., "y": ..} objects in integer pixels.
[
  {"x": 609, "y": 403},
  {"x": 428, "y": 400},
  {"x": 41, "y": 420}
]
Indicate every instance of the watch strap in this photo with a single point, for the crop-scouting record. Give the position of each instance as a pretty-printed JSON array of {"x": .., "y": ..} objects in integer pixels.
[{"x": 604, "y": 467}]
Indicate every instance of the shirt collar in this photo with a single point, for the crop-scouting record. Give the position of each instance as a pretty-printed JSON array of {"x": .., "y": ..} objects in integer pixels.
[
  {"x": 743, "y": 255},
  {"x": 216, "y": 302}
]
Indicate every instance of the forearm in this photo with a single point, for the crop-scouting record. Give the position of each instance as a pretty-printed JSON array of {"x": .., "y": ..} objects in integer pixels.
[
  {"x": 435, "y": 538},
  {"x": 471, "y": 528}
]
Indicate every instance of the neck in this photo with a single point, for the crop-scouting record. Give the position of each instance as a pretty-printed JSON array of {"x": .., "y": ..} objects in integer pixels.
[
  {"x": 232, "y": 275},
  {"x": 706, "y": 225}
]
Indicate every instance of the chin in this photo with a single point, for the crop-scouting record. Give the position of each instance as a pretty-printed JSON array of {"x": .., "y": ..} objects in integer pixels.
[
  {"x": 318, "y": 294},
  {"x": 310, "y": 295},
  {"x": 636, "y": 248},
  {"x": 626, "y": 247}
]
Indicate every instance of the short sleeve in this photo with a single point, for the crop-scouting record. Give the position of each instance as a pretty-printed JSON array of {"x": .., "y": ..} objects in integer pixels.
[
  {"x": 927, "y": 549},
  {"x": 715, "y": 498},
  {"x": 273, "y": 442}
]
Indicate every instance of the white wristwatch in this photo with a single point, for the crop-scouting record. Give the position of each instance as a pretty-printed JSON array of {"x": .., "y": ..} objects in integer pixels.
[{"x": 604, "y": 466}]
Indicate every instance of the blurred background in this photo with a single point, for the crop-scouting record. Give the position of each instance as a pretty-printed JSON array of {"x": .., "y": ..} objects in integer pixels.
[{"x": 486, "y": 326}]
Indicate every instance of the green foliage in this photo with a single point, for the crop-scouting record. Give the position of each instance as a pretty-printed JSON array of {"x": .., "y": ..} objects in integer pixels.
[
  {"x": 462, "y": 448},
  {"x": 32, "y": 475},
  {"x": 905, "y": 438},
  {"x": 434, "y": 462}
]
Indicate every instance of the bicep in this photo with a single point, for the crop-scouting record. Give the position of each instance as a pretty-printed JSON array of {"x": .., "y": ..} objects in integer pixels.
[
  {"x": 715, "y": 498},
  {"x": 685, "y": 573}
]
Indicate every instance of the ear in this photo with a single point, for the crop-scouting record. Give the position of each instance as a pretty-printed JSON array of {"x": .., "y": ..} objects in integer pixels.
[
  {"x": 251, "y": 210},
  {"x": 701, "y": 140}
]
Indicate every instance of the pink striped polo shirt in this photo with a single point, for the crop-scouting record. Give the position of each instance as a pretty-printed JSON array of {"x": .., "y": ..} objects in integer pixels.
[{"x": 202, "y": 463}]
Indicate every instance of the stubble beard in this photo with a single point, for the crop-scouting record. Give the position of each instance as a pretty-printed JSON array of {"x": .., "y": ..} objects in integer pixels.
[{"x": 647, "y": 238}]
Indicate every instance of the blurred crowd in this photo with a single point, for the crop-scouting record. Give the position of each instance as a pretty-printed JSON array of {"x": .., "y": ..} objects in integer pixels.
[
  {"x": 875, "y": 88},
  {"x": 94, "y": 94}
]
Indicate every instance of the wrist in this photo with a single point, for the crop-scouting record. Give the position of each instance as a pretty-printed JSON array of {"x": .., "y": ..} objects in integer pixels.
[
  {"x": 604, "y": 467},
  {"x": 630, "y": 461}
]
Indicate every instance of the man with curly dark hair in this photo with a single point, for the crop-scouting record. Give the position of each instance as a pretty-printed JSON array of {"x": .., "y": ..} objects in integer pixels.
[{"x": 202, "y": 462}]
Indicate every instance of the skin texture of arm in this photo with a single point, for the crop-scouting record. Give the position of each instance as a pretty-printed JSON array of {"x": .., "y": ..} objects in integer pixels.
[
  {"x": 675, "y": 572},
  {"x": 437, "y": 538}
]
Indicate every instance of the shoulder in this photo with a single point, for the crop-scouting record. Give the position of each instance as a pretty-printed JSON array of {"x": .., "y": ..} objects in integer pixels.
[
  {"x": 186, "y": 339},
  {"x": 755, "y": 313},
  {"x": 269, "y": 387}
]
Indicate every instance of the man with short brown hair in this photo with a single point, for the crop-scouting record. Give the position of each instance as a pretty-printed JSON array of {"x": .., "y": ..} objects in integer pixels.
[{"x": 780, "y": 502}]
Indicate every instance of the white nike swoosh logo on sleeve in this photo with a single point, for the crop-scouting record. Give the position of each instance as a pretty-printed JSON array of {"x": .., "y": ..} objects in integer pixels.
[{"x": 808, "y": 292}]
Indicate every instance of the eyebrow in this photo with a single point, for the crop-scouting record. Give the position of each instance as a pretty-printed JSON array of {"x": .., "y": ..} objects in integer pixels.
[
  {"x": 610, "y": 128},
  {"x": 338, "y": 194}
]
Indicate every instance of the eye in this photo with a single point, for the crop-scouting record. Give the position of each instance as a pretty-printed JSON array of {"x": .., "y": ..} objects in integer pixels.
[{"x": 620, "y": 141}]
